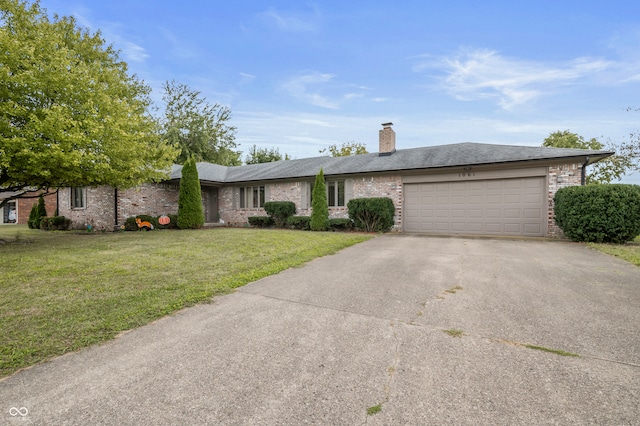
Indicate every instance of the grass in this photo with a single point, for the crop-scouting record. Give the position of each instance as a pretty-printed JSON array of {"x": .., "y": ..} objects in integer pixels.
[
  {"x": 374, "y": 410},
  {"x": 553, "y": 351},
  {"x": 629, "y": 251},
  {"x": 62, "y": 291},
  {"x": 454, "y": 332}
]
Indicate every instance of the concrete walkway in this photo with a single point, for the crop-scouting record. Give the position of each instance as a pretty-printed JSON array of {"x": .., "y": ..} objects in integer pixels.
[{"x": 365, "y": 328}]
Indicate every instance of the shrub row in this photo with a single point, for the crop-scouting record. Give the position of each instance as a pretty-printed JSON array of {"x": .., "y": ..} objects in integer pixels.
[
  {"x": 367, "y": 214},
  {"x": 55, "y": 223},
  {"x": 599, "y": 213}
]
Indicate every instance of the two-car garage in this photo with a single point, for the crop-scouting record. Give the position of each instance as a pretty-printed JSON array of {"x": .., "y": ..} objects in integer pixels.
[{"x": 475, "y": 205}]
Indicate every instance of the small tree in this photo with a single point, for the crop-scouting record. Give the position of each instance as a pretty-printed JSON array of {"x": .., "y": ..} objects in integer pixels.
[
  {"x": 38, "y": 211},
  {"x": 280, "y": 211},
  {"x": 190, "y": 211},
  {"x": 320, "y": 208}
]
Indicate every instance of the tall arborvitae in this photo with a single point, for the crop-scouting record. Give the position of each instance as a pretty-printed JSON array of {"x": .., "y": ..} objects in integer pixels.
[
  {"x": 190, "y": 211},
  {"x": 320, "y": 209}
]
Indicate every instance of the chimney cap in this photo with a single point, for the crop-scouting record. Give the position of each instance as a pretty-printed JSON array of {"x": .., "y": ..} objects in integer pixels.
[{"x": 389, "y": 124}]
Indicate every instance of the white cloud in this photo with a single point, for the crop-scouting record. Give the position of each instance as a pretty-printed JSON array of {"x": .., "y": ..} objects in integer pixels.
[
  {"x": 291, "y": 22},
  {"x": 323, "y": 90},
  {"x": 133, "y": 52},
  {"x": 246, "y": 78},
  {"x": 305, "y": 87},
  {"x": 485, "y": 74}
]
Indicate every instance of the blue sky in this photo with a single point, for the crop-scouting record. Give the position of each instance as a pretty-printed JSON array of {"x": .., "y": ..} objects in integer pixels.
[{"x": 300, "y": 76}]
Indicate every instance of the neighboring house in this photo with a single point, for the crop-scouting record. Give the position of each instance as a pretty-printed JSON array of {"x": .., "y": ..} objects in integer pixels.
[
  {"x": 465, "y": 188},
  {"x": 17, "y": 210}
]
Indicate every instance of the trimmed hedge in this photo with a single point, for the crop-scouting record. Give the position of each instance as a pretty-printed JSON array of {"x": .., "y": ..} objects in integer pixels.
[
  {"x": 260, "y": 221},
  {"x": 299, "y": 222},
  {"x": 372, "y": 214},
  {"x": 55, "y": 223},
  {"x": 340, "y": 224},
  {"x": 280, "y": 211},
  {"x": 599, "y": 213}
]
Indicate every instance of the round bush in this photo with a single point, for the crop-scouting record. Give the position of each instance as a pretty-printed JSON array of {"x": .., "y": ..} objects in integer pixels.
[{"x": 599, "y": 213}]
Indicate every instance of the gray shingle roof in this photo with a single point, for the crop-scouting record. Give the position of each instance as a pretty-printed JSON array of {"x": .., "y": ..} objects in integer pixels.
[{"x": 441, "y": 156}]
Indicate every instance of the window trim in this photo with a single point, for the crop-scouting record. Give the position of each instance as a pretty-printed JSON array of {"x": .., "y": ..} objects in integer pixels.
[
  {"x": 73, "y": 199},
  {"x": 339, "y": 187},
  {"x": 252, "y": 195}
]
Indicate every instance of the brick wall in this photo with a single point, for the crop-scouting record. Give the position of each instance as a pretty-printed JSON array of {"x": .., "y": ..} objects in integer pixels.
[
  {"x": 381, "y": 186},
  {"x": 149, "y": 199},
  {"x": 560, "y": 176},
  {"x": 24, "y": 206},
  {"x": 98, "y": 210}
]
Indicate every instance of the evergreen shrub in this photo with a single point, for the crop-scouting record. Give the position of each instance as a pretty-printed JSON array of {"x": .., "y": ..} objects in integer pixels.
[
  {"x": 599, "y": 213},
  {"x": 319, "y": 205},
  {"x": 372, "y": 214},
  {"x": 299, "y": 222},
  {"x": 340, "y": 224},
  {"x": 190, "y": 210},
  {"x": 55, "y": 223},
  {"x": 280, "y": 211},
  {"x": 260, "y": 221},
  {"x": 38, "y": 211}
]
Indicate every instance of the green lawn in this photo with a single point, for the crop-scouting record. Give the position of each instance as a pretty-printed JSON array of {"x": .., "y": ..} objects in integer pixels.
[
  {"x": 629, "y": 251},
  {"x": 62, "y": 291}
]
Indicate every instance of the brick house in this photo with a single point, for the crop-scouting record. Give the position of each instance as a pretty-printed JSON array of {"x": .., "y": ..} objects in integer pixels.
[
  {"x": 465, "y": 188},
  {"x": 17, "y": 210}
]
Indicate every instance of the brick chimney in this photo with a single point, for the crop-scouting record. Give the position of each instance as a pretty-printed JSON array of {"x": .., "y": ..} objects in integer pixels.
[{"x": 387, "y": 140}]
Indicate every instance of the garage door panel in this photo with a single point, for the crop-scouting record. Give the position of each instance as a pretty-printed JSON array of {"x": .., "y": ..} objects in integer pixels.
[
  {"x": 512, "y": 213},
  {"x": 500, "y": 206},
  {"x": 532, "y": 213}
]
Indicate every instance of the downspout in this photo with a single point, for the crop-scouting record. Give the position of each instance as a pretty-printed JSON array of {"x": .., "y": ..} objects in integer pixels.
[
  {"x": 583, "y": 178},
  {"x": 115, "y": 205}
]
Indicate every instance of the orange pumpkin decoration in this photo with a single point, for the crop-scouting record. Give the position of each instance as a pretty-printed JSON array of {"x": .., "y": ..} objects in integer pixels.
[{"x": 164, "y": 220}]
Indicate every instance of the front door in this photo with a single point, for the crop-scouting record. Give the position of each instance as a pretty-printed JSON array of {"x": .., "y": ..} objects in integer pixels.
[{"x": 210, "y": 201}]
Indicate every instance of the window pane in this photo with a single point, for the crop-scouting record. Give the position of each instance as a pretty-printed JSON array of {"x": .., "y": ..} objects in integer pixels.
[
  {"x": 243, "y": 202},
  {"x": 331, "y": 199},
  {"x": 261, "y": 197},
  {"x": 255, "y": 197},
  {"x": 341, "y": 193},
  {"x": 77, "y": 197}
]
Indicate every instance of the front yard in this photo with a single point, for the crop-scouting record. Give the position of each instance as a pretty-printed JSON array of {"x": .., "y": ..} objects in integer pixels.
[
  {"x": 63, "y": 291},
  {"x": 629, "y": 251}
]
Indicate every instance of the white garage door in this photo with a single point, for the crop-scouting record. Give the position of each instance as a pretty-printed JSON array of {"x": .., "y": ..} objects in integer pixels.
[{"x": 494, "y": 207}]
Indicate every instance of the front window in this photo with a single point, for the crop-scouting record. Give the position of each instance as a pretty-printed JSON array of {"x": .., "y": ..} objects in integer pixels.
[
  {"x": 9, "y": 213},
  {"x": 78, "y": 197},
  {"x": 252, "y": 197},
  {"x": 335, "y": 193}
]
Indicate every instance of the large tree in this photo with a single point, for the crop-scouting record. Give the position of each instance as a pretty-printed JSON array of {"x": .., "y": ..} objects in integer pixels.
[
  {"x": 346, "y": 149},
  {"x": 264, "y": 155},
  {"x": 605, "y": 171},
  {"x": 198, "y": 128},
  {"x": 70, "y": 113}
]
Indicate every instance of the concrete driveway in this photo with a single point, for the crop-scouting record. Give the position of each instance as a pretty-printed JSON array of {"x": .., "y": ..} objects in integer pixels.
[{"x": 323, "y": 343}]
